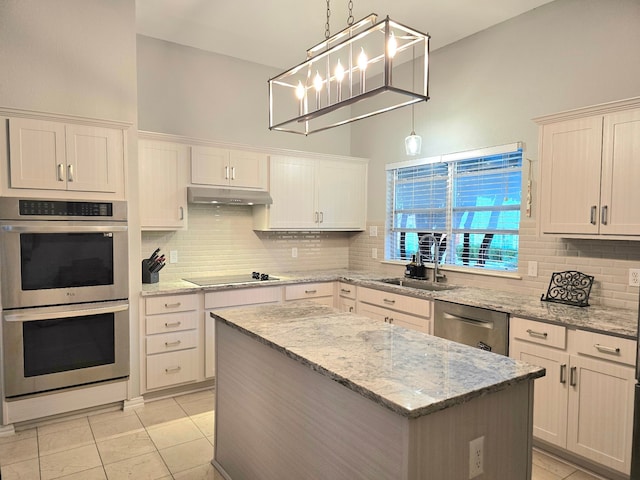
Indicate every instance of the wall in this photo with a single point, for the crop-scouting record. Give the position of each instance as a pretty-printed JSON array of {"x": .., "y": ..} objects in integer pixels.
[
  {"x": 199, "y": 94},
  {"x": 485, "y": 90},
  {"x": 191, "y": 92},
  {"x": 220, "y": 241}
]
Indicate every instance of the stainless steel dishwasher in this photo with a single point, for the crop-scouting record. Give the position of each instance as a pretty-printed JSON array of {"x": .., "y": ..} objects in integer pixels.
[{"x": 478, "y": 327}]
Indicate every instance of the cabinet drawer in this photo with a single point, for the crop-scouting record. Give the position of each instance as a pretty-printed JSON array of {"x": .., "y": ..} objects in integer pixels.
[
  {"x": 172, "y": 322},
  {"x": 395, "y": 318},
  {"x": 172, "y": 368},
  {"x": 170, "y": 304},
  {"x": 243, "y": 296},
  {"x": 394, "y": 301},
  {"x": 539, "y": 332},
  {"x": 308, "y": 290},
  {"x": 346, "y": 290},
  {"x": 168, "y": 342},
  {"x": 616, "y": 349}
]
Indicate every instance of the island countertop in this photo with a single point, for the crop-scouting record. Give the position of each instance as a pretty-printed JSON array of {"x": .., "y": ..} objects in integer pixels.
[{"x": 410, "y": 373}]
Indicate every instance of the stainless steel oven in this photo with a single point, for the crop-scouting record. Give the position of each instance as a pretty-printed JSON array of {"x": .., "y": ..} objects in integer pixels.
[
  {"x": 64, "y": 291},
  {"x": 50, "y": 348},
  {"x": 61, "y": 252}
]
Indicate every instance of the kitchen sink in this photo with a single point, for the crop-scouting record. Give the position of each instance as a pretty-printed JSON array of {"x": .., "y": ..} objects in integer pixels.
[{"x": 417, "y": 283}]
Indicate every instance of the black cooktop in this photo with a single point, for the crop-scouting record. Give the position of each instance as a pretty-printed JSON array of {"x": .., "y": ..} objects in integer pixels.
[{"x": 214, "y": 280}]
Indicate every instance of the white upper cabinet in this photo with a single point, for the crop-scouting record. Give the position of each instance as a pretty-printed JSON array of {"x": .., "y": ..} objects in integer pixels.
[
  {"x": 228, "y": 168},
  {"x": 163, "y": 168},
  {"x": 314, "y": 194},
  {"x": 589, "y": 162},
  {"x": 49, "y": 155}
]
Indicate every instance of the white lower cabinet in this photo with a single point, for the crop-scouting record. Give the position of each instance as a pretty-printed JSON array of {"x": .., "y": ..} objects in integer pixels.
[
  {"x": 318, "y": 292},
  {"x": 346, "y": 297},
  {"x": 584, "y": 404},
  {"x": 404, "y": 311},
  {"x": 226, "y": 299},
  {"x": 172, "y": 353}
]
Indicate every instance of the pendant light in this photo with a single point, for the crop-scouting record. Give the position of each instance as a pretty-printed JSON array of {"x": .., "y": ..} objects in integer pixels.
[
  {"x": 350, "y": 76},
  {"x": 413, "y": 142}
]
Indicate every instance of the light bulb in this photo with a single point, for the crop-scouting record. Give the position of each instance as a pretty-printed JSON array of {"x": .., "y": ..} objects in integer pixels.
[
  {"x": 300, "y": 91},
  {"x": 362, "y": 60},
  {"x": 317, "y": 82},
  {"x": 339, "y": 72},
  {"x": 392, "y": 47}
]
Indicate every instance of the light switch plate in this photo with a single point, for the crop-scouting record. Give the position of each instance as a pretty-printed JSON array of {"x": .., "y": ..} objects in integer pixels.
[
  {"x": 173, "y": 256},
  {"x": 532, "y": 269}
]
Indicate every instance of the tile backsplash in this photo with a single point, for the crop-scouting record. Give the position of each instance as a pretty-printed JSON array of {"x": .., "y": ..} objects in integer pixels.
[
  {"x": 608, "y": 261},
  {"x": 220, "y": 240}
]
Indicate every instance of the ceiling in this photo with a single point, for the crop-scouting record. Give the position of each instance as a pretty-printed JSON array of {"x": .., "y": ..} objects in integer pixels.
[{"x": 277, "y": 33}]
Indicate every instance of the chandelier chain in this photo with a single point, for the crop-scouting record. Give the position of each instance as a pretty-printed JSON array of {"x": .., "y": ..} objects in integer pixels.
[
  {"x": 327, "y": 31},
  {"x": 350, "y": 18}
]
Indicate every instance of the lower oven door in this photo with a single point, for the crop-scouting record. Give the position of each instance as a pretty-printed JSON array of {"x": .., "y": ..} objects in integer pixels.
[{"x": 50, "y": 348}]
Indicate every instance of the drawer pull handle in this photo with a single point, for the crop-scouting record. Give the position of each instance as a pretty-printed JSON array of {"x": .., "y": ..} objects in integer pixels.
[
  {"x": 70, "y": 173},
  {"x": 310, "y": 292},
  {"x": 345, "y": 290},
  {"x": 390, "y": 319},
  {"x": 172, "y": 344},
  {"x": 533, "y": 333},
  {"x": 573, "y": 381},
  {"x": 174, "y": 324},
  {"x": 350, "y": 309},
  {"x": 563, "y": 373},
  {"x": 605, "y": 349},
  {"x": 389, "y": 301},
  {"x": 60, "y": 172},
  {"x": 175, "y": 369},
  {"x": 172, "y": 305},
  {"x": 603, "y": 217}
]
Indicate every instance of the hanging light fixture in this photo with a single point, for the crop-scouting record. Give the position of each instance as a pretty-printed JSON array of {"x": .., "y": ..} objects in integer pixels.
[
  {"x": 413, "y": 143},
  {"x": 350, "y": 76}
]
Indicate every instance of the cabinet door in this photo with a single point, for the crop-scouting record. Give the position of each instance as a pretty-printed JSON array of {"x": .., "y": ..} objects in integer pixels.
[
  {"x": 550, "y": 391},
  {"x": 248, "y": 169},
  {"x": 342, "y": 195},
  {"x": 570, "y": 180},
  {"x": 210, "y": 166},
  {"x": 37, "y": 154},
  {"x": 601, "y": 412},
  {"x": 620, "y": 196},
  {"x": 95, "y": 158},
  {"x": 293, "y": 189},
  {"x": 163, "y": 185},
  {"x": 346, "y": 304}
]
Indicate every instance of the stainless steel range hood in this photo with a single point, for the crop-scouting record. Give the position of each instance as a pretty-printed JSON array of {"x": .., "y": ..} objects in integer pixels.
[{"x": 227, "y": 196}]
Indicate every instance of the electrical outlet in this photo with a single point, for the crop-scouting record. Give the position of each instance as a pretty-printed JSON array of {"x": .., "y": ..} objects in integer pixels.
[
  {"x": 634, "y": 277},
  {"x": 476, "y": 457},
  {"x": 173, "y": 256},
  {"x": 374, "y": 253},
  {"x": 532, "y": 268},
  {"x": 373, "y": 231},
  {"x": 294, "y": 252}
]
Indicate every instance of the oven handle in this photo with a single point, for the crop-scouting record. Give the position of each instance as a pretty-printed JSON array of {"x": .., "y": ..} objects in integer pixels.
[
  {"x": 64, "y": 228},
  {"x": 68, "y": 311}
]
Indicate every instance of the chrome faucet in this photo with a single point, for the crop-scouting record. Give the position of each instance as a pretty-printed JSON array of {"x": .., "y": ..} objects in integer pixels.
[{"x": 434, "y": 240}]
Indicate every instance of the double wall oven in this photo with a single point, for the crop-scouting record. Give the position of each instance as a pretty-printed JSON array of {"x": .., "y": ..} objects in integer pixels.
[{"x": 64, "y": 292}]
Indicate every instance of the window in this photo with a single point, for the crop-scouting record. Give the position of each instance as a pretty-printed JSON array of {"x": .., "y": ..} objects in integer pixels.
[{"x": 463, "y": 209}]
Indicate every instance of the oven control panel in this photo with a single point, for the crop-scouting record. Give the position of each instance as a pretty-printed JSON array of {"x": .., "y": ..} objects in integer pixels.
[{"x": 57, "y": 208}]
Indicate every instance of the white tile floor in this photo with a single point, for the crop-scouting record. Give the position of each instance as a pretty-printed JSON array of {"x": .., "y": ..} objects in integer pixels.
[{"x": 165, "y": 439}]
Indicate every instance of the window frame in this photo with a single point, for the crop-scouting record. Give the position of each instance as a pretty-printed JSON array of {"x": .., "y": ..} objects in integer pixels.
[{"x": 394, "y": 246}]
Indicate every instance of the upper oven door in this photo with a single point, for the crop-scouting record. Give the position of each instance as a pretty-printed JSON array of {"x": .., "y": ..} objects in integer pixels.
[{"x": 57, "y": 263}]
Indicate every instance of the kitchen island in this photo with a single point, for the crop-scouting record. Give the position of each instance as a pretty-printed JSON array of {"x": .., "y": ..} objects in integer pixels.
[{"x": 305, "y": 391}]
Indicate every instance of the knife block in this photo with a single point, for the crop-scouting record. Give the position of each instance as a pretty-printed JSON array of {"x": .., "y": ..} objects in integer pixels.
[{"x": 147, "y": 276}]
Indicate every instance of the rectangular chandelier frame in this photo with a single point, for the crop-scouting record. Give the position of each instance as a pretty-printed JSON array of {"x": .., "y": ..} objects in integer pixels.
[{"x": 350, "y": 76}]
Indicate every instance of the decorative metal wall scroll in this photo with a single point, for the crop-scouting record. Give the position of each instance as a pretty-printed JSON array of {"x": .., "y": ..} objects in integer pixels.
[{"x": 570, "y": 287}]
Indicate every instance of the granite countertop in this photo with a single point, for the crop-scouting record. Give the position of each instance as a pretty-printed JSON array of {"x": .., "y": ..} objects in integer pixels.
[
  {"x": 623, "y": 323},
  {"x": 410, "y": 373}
]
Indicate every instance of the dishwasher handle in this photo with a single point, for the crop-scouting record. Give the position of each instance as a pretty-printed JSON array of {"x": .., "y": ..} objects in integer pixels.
[{"x": 471, "y": 321}]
